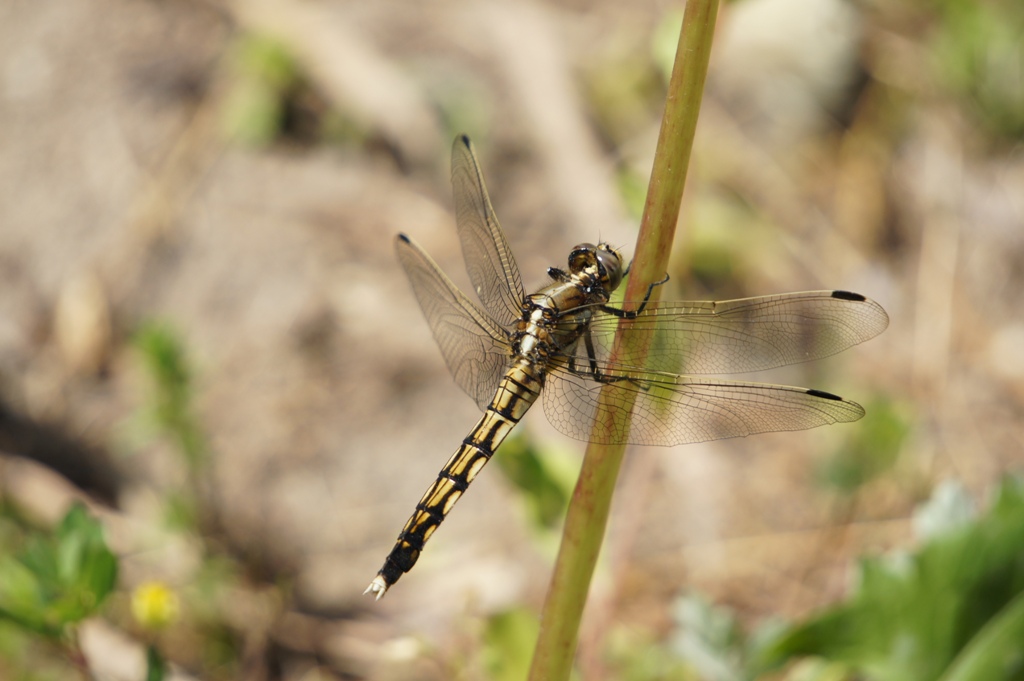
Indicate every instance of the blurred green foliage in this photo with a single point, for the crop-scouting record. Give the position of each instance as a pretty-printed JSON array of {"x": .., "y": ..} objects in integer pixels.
[
  {"x": 51, "y": 581},
  {"x": 544, "y": 486},
  {"x": 623, "y": 88},
  {"x": 954, "y": 609},
  {"x": 978, "y": 54},
  {"x": 508, "y": 639},
  {"x": 727, "y": 241},
  {"x": 170, "y": 412},
  {"x": 869, "y": 451},
  {"x": 631, "y": 655},
  {"x": 665, "y": 40},
  {"x": 261, "y": 72},
  {"x": 636, "y": 655},
  {"x": 268, "y": 98},
  {"x": 710, "y": 639},
  {"x": 27, "y": 656},
  {"x": 156, "y": 667},
  {"x": 633, "y": 190}
]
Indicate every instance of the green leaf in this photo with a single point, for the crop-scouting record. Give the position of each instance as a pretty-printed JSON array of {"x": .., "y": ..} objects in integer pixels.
[
  {"x": 59, "y": 579},
  {"x": 21, "y": 598},
  {"x": 996, "y": 652},
  {"x": 913, "y": 615}
]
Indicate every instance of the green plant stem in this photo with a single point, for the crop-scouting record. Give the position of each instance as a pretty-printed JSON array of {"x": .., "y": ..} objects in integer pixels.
[{"x": 588, "y": 509}]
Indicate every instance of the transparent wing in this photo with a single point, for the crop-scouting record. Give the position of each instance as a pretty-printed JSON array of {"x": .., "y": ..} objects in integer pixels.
[
  {"x": 489, "y": 261},
  {"x": 475, "y": 347},
  {"x": 738, "y": 336},
  {"x": 733, "y": 336},
  {"x": 675, "y": 410}
]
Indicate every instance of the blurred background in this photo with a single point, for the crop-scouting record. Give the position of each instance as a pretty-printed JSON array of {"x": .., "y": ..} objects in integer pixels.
[{"x": 205, "y": 336}]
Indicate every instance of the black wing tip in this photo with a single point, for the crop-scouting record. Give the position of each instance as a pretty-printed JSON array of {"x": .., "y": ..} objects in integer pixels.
[
  {"x": 849, "y": 295},
  {"x": 463, "y": 139},
  {"x": 402, "y": 237},
  {"x": 824, "y": 395}
]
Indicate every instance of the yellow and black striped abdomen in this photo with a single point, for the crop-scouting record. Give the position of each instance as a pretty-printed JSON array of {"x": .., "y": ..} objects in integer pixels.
[{"x": 516, "y": 393}]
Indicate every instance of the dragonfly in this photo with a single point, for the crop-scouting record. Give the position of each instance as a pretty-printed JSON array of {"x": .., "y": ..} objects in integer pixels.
[{"x": 514, "y": 346}]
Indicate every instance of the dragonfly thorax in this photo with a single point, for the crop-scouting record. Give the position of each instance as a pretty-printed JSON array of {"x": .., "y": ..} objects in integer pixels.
[
  {"x": 602, "y": 262},
  {"x": 555, "y": 318}
]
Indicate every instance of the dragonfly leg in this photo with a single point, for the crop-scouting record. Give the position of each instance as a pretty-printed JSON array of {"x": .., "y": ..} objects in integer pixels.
[
  {"x": 588, "y": 341},
  {"x": 593, "y": 372},
  {"x": 633, "y": 314},
  {"x": 559, "y": 274}
]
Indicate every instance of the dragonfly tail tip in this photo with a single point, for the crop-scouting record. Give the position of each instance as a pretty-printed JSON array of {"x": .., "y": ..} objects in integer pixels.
[{"x": 377, "y": 588}]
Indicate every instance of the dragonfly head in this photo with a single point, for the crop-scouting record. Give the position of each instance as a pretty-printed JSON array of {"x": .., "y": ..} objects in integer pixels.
[{"x": 601, "y": 261}]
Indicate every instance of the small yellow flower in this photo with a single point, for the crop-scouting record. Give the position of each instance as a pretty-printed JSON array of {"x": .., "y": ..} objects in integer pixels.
[{"x": 154, "y": 605}]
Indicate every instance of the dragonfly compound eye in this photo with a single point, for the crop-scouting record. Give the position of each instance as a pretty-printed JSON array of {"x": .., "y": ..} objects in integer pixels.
[
  {"x": 582, "y": 257},
  {"x": 609, "y": 265}
]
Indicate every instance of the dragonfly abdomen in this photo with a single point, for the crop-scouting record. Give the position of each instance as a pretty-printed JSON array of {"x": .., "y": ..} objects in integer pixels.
[{"x": 516, "y": 393}]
